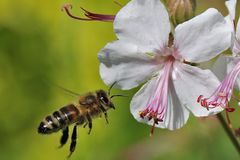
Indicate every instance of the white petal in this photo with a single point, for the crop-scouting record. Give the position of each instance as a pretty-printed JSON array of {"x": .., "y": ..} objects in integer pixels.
[
  {"x": 176, "y": 115},
  {"x": 224, "y": 65},
  {"x": 231, "y": 63},
  {"x": 203, "y": 37},
  {"x": 230, "y": 23},
  {"x": 125, "y": 64},
  {"x": 220, "y": 67},
  {"x": 238, "y": 30},
  {"x": 190, "y": 82},
  {"x": 143, "y": 22},
  {"x": 231, "y": 6},
  {"x": 231, "y": 26},
  {"x": 236, "y": 46}
]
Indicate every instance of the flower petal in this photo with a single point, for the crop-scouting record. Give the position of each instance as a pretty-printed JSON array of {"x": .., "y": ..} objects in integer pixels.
[
  {"x": 231, "y": 63},
  {"x": 191, "y": 82},
  {"x": 143, "y": 22},
  {"x": 176, "y": 115},
  {"x": 238, "y": 29},
  {"x": 125, "y": 64},
  {"x": 236, "y": 46},
  {"x": 224, "y": 65},
  {"x": 231, "y": 6},
  {"x": 203, "y": 37},
  {"x": 220, "y": 67}
]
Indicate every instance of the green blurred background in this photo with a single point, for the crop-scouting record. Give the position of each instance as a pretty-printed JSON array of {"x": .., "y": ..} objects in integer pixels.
[{"x": 40, "y": 45}]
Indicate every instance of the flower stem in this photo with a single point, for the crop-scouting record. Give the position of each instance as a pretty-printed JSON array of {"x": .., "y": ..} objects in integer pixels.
[{"x": 229, "y": 132}]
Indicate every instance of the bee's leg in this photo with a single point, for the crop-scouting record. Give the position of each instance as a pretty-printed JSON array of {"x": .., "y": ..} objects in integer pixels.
[
  {"x": 89, "y": 122},
  {"x": 74, "y": 141},
  {"x": 64, "y": 137},
  {"x": 84, "y": 126},
  {"x": 105, "y": 113}
]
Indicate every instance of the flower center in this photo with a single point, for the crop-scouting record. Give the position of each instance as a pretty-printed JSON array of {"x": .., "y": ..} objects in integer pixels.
[
  {"x": 158, "y": 102},
  {"x": 223, "y": 94}
]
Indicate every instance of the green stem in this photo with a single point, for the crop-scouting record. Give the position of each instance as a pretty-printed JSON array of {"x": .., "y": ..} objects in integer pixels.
[{"x": 229, "y": 132}]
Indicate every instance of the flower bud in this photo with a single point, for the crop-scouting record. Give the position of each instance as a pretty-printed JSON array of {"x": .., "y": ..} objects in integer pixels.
[{"x": 181, "y": 10}]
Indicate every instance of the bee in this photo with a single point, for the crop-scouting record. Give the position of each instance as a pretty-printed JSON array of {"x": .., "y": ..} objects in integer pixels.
[{"x": 89, "y": 106}]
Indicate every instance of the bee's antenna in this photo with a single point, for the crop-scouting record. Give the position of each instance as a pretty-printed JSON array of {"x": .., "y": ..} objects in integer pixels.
[
  {"x": 67, "y": 90},
  {"x": 60, "y": 87},
  {"x": 109, "y": 90},
  {"x": 118, "y": 95}
]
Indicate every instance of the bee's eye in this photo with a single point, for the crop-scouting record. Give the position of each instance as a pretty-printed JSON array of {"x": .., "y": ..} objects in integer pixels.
[{"x": 104, "y": 100}]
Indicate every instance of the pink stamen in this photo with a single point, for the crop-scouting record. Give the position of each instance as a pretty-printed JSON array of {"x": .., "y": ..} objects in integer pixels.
[
  {"x": 90, "y": 16},
  {"x": 158, "y": 102},
  {"x": 223, "y": 94}
]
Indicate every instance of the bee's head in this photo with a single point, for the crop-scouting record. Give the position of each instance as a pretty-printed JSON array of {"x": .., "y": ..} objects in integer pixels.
[{"x": 105, "y": 97}]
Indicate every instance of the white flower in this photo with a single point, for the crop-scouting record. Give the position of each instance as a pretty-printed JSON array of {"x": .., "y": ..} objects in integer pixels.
[
  {"x": 225, "y": 64},
  {"x": 231, "y": 6},
  {"x": 144, "y": 52},
  {"x": 226, "y": 68}
]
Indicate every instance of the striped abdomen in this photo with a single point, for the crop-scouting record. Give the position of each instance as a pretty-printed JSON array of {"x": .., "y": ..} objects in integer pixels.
[{"x": 59, "y": 119}]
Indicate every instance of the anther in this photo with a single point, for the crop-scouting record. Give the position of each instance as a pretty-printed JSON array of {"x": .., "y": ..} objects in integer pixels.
[
  {"x": 228, "y": 109},
  {"x": 142, "y": 114},
  {"x": 152, "y": 115},
  {"x": 67, "y": 8},
  {"x": 199, "y": 98}
]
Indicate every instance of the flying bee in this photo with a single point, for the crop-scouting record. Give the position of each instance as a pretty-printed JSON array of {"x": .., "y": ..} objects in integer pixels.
[{"x": 89, "y": 106}]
